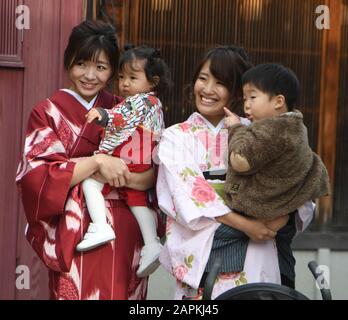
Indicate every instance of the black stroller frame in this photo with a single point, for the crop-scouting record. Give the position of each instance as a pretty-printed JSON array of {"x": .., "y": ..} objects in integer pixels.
[{"x": 263, "y": 291}]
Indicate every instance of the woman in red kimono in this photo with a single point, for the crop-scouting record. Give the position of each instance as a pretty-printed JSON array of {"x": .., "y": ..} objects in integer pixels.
[{"x": 58, "y": 155}]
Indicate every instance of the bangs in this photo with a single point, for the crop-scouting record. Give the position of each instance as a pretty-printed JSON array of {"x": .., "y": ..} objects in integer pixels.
[
  {"x": 218, "y": 63},
  {"x": 90, "y": 51},
  {"x": 228, "y": 67},
  {"x": 129, "y": 61},
  {"x": 132, "y": 65}
]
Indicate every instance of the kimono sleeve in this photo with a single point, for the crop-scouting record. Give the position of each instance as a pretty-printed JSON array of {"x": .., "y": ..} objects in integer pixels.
[
  {"x": 182, "y": 191},
  {"x": 123, "y": 121},
  {"x": 45, "y": 171},
  {"x": 259, "y": 143},
  {"x": 304, "y": 216}
]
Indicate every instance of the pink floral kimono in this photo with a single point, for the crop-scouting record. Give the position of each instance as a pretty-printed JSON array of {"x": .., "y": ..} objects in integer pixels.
[{"x": 191, "y": 205}]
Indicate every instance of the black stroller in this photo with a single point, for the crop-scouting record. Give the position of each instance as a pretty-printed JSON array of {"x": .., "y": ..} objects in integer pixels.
[{"x": 263, "y": 291}]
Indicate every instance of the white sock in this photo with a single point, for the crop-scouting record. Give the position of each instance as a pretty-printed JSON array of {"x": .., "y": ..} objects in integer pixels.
[
  {"x": 147, "y": 223},
  {"x": 92, "y": 191}
]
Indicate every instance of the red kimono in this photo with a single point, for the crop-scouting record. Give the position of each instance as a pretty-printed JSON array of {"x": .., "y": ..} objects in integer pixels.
[{"x": 57, "y": 216}]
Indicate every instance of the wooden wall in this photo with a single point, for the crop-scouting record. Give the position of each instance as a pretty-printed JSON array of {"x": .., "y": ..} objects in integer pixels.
[
  {"x": 35, "y": 74},
  {"x": 340, "y": 205}
]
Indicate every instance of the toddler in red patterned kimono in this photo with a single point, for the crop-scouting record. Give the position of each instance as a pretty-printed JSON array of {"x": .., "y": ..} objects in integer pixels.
[{"x": 132, "y": 130}]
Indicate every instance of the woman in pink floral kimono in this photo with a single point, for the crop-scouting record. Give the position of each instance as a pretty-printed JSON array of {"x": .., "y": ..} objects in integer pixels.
[
  {"x": 58, "y": 155},
  {"x": 200, "y": 226}
]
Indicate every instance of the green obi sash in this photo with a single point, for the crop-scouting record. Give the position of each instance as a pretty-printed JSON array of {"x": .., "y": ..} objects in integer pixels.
[{"x": 219, "y": 188}]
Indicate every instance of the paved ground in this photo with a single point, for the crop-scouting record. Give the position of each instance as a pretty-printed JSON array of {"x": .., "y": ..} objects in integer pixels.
[{"x": 161, "y": 285}]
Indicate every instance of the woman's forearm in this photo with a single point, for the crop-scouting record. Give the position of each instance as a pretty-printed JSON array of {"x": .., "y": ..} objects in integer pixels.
[
  {"x": 142, "y": 181},
  {"x": 278, "y": 223},
  {"x": 233, "y": 220},
  {"x": 254, "y": 229},
  {"x": 83, "y": 169}
]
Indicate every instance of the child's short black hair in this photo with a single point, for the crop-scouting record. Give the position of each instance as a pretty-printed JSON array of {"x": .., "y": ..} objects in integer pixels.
[
  {"x": 274, "y": 79},
  {"x": 86, "y": 42},
  {"x": 154, "y": 65}
]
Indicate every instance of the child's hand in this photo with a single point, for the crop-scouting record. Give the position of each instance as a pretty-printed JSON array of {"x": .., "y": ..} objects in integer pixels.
[
  {"x": 230, "y": 119},
  {"x": 92, "y": 115}
]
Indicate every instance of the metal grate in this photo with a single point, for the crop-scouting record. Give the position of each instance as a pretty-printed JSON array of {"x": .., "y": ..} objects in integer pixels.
[{"x": 270, "y": 30}]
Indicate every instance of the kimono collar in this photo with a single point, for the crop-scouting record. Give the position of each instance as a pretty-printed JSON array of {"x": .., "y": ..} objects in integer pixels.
[
  {"x": 197, "y": 119},
  {"x": 293, "y": 114},
  {"x": 86, "y": 104}
]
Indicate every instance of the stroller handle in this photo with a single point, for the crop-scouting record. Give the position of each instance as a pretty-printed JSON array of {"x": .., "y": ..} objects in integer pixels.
[
  {"x": 210, "y": 281},
  {"x": 323, "y": 285}
]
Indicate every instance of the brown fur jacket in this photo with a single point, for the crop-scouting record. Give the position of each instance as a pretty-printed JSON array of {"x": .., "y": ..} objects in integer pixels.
[{"x": 284, "y": 171}]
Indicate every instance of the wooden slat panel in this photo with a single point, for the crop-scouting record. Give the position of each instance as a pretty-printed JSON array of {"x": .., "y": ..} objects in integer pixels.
[
  {"x": 340, "y": 209},
  {"x": 10, "y": 37},
  {"x": 11, "y": 90},
  {"x": 329, "y": 102},
  {"x": 270, "y": 30}
]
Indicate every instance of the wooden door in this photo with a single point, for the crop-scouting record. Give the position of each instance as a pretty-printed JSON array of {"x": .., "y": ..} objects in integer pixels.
[
  {"x": 31, "y": 68},
  {"x": 11, "y": 97}
]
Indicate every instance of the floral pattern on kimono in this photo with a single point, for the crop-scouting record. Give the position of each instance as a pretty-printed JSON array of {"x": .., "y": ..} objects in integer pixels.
[
  {"x": 191, "y": 205},
  {"x": 143, "y": 109}
]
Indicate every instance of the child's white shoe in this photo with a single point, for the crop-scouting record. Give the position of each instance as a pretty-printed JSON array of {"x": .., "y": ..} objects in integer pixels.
[
  {"x": 149, "y": 259},
  {"x": 97, "y": 234}
]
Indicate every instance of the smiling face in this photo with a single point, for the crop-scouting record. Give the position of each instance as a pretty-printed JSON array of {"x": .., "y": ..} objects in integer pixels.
[
  {"x": 259, "y": 105},
  {"x": 211, "y": 96},
  {"x": 132, "y": 79},
  {"x": 89, "y": 77}
]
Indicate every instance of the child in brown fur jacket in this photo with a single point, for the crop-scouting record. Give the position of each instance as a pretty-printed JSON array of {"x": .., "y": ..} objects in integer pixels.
[{"x": 273, "y": 170}]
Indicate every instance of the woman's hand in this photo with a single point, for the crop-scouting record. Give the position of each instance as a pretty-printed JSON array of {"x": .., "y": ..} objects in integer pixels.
[
  {"x": 257, "y": 231},
  {"x": 142, "y": 181},
  {"x": 98, "y": 177},
  {"x": 113, "y": 169},
  {"x": 277, "y": 223},
  {"x": 254, "y": 229}
]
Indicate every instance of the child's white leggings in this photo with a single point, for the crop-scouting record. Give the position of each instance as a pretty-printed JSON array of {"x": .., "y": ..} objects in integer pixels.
[
  {"x": 145, "y": 217},
  {"x": 92, "y": 189}
]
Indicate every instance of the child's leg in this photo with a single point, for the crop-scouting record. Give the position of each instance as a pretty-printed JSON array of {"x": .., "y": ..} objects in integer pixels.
[
  {"x": 147, "y": 223},
  {"x": 99, "y": 231},
  {"x": 92, "y": 190},
  {"x": 150, "y": 252}
]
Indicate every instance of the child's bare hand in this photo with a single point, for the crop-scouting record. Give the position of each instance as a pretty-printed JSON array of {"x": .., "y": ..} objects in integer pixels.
[
  {"x": 230, "y": 119},
  {"x": 92, "y": 115}
]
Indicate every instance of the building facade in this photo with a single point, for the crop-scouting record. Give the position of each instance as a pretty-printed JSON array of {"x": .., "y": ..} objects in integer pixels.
[{"x": 295, "y": 33}]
